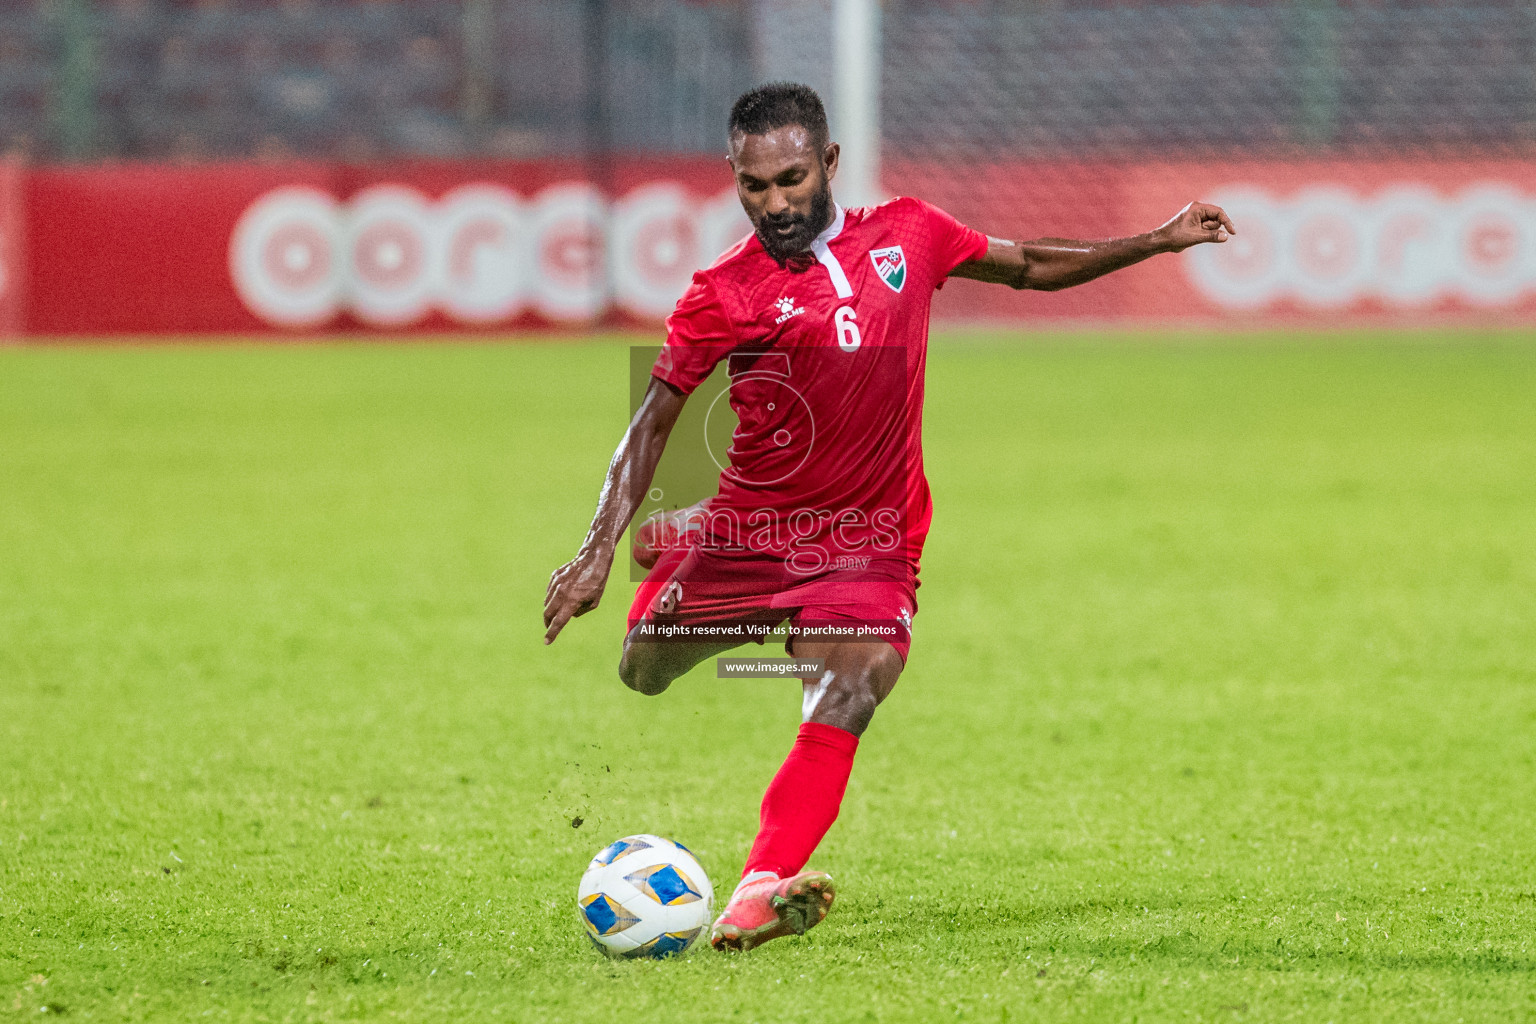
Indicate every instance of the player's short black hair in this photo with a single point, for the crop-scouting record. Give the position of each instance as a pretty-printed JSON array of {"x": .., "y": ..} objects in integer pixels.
[{"x": 777, "y": 105}]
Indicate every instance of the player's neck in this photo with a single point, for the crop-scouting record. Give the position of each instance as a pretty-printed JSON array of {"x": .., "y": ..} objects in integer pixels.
[{"x": 831, "y": 228}]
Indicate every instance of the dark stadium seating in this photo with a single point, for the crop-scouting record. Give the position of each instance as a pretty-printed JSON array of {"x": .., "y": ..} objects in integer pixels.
[{"x": 1086, "y": 78}]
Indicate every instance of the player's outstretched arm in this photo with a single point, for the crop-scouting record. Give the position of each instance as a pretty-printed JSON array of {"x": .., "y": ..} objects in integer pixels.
[
  {"x": 1050, "y": 264},
  {"x": 577, "y": 586}
]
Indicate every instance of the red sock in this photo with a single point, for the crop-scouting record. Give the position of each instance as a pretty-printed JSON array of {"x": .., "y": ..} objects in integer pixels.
[{"x": 803, "y": 798}]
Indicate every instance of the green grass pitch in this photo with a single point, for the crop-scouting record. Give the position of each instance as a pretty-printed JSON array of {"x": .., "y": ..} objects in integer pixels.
[{"x": 1222, "y": 704}]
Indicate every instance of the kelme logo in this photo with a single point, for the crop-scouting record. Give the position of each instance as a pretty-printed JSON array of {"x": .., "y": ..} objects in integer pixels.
[{"x": 891, "y": 264}]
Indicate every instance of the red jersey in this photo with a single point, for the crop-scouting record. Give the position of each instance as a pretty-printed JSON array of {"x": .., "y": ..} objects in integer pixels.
[{"x": 826, "y": 361}]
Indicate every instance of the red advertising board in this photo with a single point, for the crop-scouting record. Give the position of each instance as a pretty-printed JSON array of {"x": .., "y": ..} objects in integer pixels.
[
  {"x": 1325, "y": 242},
  {"x": 460, "y": 246},
  {"x": 12, "y": 250},
  {"x": 426, "y": 246}
]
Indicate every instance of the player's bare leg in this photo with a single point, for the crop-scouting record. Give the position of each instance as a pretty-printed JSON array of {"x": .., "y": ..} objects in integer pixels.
[
  {"x": 649, "y": 666},
  {"x": 857, "y": 678},
  {"x": 775, "y": 897}
]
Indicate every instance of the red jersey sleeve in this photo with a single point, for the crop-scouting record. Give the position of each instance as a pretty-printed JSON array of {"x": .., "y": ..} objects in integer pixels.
[
  {"x": 699, "y": 335},
  {"x": 950, "y": 242}
]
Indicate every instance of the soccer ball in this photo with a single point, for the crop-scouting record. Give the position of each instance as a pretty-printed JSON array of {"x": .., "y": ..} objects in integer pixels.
[{"x": 644, "y": 896}]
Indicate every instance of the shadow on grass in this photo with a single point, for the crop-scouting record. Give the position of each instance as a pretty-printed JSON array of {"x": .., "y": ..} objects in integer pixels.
[{"x": 1084, "y": 930}]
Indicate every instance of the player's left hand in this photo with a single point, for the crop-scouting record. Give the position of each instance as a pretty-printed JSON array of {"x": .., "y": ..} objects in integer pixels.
[
  {"x": 1198, "y": 222},
  {"x": 575, "y": 589}
]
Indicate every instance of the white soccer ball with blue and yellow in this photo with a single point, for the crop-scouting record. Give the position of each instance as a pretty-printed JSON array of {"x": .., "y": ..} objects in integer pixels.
[{"x": 645, "y": 897}]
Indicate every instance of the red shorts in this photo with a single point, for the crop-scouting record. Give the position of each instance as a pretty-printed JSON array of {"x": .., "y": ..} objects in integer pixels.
[{"x": 690, "y": 587}]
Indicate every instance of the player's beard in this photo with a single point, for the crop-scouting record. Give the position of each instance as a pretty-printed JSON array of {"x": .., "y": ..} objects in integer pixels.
[{"x": 782, "y": 247}]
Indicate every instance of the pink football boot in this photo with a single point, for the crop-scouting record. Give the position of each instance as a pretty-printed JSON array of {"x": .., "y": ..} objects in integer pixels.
[{"x": 769, "y": 908}]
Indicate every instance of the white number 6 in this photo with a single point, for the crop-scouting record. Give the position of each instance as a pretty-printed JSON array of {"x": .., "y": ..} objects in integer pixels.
[{"x": 847, "y": 331}]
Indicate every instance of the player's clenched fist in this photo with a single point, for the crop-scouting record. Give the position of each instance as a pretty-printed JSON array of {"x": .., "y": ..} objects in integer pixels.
[
  {"x": 1198, "y": 222},
  {"x": 574, "y": 589}
]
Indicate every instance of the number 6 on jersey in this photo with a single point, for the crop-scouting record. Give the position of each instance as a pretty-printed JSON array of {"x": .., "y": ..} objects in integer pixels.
[{"x": 847, "y": 331}]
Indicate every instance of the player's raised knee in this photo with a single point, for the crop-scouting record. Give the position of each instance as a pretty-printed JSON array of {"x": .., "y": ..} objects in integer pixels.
[{"x": 639, "y": 670}]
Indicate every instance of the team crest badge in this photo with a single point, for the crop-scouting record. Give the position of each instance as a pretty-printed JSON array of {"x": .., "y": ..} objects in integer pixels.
[{"x": 891, "y": 264}]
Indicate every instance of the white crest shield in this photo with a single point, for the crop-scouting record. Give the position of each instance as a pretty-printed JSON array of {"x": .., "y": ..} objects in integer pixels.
[{"x": 891, "y": 264}]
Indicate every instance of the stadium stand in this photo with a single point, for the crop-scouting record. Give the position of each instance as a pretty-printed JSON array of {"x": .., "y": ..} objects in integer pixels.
[{"x": 361, "y": 79}]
